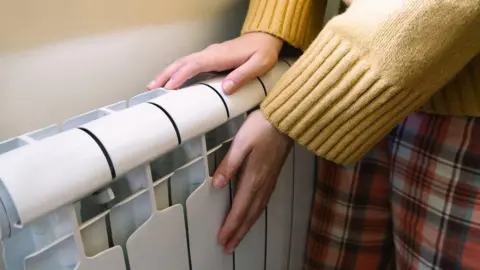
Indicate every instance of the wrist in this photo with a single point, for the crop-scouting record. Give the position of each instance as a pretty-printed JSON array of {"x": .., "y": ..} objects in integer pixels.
[
  {"x": 284, "y": 137},
  {"x": 270, "y": 42},
  {"x": 276, "y": 42}
]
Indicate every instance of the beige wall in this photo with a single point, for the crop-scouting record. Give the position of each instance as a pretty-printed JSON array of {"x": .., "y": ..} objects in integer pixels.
[{"x": 61, "y": 58}]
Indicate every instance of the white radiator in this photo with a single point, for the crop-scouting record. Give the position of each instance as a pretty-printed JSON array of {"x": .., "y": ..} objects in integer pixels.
[{"x": 127, "y": 187}]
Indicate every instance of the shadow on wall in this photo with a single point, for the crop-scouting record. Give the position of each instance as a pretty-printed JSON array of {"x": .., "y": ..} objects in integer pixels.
[{"x": 80, "y": 55}]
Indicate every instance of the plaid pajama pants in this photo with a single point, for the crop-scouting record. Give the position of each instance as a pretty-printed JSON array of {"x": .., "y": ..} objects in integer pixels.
[{"x": 413, "y": 202}]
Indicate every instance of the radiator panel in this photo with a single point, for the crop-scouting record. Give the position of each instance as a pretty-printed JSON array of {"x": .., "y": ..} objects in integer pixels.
[{"x": 66, "y": 210}]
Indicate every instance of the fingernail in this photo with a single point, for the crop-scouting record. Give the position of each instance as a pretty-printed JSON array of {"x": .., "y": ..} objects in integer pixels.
[
  {"x": 151, "y": 84},
  {"x": 219, "y": 181},
  {"x": 230, "y": 250},
  {"x": 228, "y": 86},
  {"x": 222, "y": 242}
]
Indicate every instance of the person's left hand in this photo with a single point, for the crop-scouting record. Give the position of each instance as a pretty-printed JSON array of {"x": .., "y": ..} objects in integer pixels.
[{"x": 259, "y": 150}]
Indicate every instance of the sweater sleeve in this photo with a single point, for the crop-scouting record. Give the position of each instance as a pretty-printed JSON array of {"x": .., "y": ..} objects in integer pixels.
[
  {"x": 295, "y": 21},
  {"x": 368, "y": 69}
]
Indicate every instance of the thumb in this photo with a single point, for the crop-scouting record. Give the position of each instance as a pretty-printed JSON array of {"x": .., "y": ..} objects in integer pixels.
[
  {"x": 255, "y": 66},
  {"x": 229, "y": 165}
]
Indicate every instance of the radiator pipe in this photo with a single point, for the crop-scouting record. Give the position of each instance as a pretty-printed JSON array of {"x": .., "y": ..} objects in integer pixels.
[{"x": 40, "y": 177}]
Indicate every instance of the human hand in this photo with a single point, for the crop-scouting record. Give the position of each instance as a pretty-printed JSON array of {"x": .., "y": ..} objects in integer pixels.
[
  {"x": 250, "y": 55},
  {"x": 259, "y": 150}
]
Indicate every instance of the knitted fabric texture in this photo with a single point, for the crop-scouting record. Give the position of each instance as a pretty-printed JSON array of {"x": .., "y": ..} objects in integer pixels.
[{"x": 369, "y": 68}]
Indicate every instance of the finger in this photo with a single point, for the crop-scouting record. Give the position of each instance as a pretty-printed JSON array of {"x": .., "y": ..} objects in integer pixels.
[
  {"x": 165, "y": 75},
  {"x": 255, "y": 66},
  {"x": 253, "y": 215},
  {"x": 240, "y": 207},
  {"x": 230, "y": 163},
  {"x": 184, "y": 73}
]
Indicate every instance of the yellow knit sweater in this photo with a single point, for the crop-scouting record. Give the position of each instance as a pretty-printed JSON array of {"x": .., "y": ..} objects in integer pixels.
[{"x": 369, "y": 68}]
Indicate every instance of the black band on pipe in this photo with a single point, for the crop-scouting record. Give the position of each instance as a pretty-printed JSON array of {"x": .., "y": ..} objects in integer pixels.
[
  {"x": 104, "y": 151},
  {"x": 179, "y": 137},
  {"x": 287, "y": 62},
  {"x": 263, "y": 85},
  {"x": 220, "y": 96}
]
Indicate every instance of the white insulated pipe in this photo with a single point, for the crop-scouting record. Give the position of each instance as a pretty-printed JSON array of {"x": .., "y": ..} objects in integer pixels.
[{"x": 40, "y": 177}]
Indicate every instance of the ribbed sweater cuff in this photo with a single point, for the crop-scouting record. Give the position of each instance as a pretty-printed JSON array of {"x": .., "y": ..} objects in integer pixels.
[
  {"x": 290, "y": 20},
  {"x": 334, "y": 103}
]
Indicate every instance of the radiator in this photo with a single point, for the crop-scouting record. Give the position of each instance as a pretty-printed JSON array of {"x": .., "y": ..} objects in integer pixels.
[{"x": 127, "y": 186}]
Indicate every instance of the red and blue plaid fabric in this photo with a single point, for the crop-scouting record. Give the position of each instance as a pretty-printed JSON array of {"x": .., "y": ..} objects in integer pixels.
[{"x": 413, "y": 202}]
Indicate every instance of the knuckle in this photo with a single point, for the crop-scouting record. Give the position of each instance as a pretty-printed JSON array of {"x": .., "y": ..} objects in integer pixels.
[
  {"x": 202, "y": 60},
  {"x": 257, "y": 184},
  {"x": 196, "y": 64},
  {"x": 236, "y": 219},
  {"x": 216, "y": 50},
  {"x": 197, "y": 55},
  {"x": 214, "y": 46},
  {"x": 180, "y": 61},
  {"x": 268, "y": 61},
  {"x": 186, "y": 71},
  {"x": 265, "y": 62},
  {"x": 240, "y": 143},
  {"x": 191, "y": 58}
]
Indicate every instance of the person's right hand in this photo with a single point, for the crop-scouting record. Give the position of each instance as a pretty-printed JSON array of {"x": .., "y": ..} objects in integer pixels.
[{"x": 250, "y": 55}]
